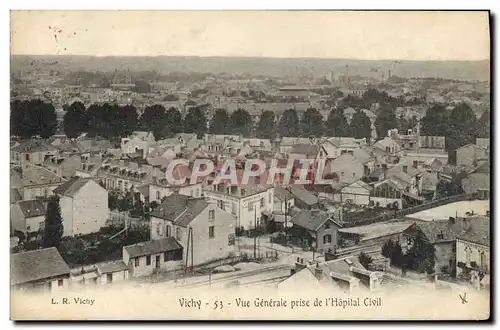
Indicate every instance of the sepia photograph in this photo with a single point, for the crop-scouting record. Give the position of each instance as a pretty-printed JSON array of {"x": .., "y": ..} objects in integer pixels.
[{"x": 250, "y": 165}]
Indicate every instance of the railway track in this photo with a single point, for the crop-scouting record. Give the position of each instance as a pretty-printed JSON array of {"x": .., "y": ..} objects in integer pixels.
[{"x": 235, "y": 277}]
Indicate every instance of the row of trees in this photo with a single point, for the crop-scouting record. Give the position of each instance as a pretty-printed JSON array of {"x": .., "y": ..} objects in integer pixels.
[
  {"x": 459, "y": 125},
  {"x": 420, "y": 257}
]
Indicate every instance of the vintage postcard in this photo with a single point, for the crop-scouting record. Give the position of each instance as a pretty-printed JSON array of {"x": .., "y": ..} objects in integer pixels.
[{"x": 250, "y": 165}]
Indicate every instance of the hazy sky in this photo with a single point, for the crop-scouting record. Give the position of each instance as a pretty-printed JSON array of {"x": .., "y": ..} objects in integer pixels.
[{"x": 321, "y": 34}]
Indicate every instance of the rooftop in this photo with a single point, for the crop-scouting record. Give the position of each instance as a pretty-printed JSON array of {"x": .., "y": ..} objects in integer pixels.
[
  {"x": 152, "y": 247},
  {"x": 36, "y": 265}
]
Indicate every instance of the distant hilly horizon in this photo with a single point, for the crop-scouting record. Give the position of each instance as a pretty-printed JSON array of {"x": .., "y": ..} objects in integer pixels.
[{"x": 265, "y": 66}]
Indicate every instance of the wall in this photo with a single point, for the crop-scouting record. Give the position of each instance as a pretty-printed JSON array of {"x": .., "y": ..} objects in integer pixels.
[
  {"x": 32, "y": 192},
  {"x": 17, "y": 218},
  {"x": 475, "y": 254},
  {"x": 359, "y": 195},
  {"x": 207, "y": 249},
  {"x": 90, "y": 208},
  {"x": 280, "y": 206},
  {"x": 384, "y": 201},
  {"x": 467, "y": 155},
  {"x": 445, "y": 255},
  {"x": 66, "y": 204},
  {"x": 322, "y": 232},
  {"x": 145, "y": 270},
  {"x": 117, "y": 277}
]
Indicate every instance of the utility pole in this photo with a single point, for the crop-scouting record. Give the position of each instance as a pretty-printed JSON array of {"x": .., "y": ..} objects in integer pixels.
[{"x": 255, "y": 233}]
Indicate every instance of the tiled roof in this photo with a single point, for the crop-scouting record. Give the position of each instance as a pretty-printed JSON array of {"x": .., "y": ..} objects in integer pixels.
[
  {"x": 180, "y": 209},
  {"x": 303, "y": 195},
  {"x": 111, "y": 266},
  {"x": 310, "y": 219},
  {"x": 32, "y": 208},
  {"x": 152, "y": 247},
  {"x": 478, "y": 232},
  {"x": 434, "y": 229},
  {"x": 36, "y": 265},
  {"x": 39, "y": 176},
  {"x": 71, "y": 187},
  {"x": 33, "y": 146}
]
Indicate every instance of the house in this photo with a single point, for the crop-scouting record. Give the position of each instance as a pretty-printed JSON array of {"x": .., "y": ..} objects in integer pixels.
[
  {"x": 28, "y": 218},
  {"x": 15, "y": 195},
  {"x": 334, "y": 147},
  {"x": 315, "y": 228},
  {"x": 365, "y": 157},
  {"x": 374, "y": 234},
  {"x": 31, "y": 152},
  {"x": 303, "y": 151},
  {"x": 389, "y": 145},
  {"x": 39, "y": 270},
  {"x": 146, "y": 258},
  {"x": 470, "y": 154},
  {"x": 112, "y": 271},
  {"x": 483, "y": 143},
  {"x": 249, "y": 203},
  {"x": 357, "y": 192},
  {"x": 38, "y": 182},
  {"x": 346, "y": 167},
  {"x": 283, "y": 200},
  {"x": 441, "y": 235},
  {"x": 122, "y": 175},
  {"x": 478, "y": 181},
  {"x": 473, "y": 248},
  {"x": 340, "y": 276},
  {"x": 205, "y": 231},
  {"x": 303, "y": 198},
  {"x": 84, "y": 206},
  {"x": 63, "y": 166},
  {"x": 138, "y": 142}
]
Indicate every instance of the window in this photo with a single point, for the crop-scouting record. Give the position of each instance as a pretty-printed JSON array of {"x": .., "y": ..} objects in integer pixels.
[
  {"x": 148, "y": 260},
  {"x": 211, "y": 232},
  {"x": 178, "y": 234},
  {"x": 387, "y": 149},
  {"x": 231, "y": 239},
  {"x": 262, "y": 201},
  {"x": 27, "y": 157},
  {"x": 158, "y": 229},
  {"x": 136, "y": 262},
  {"x": 28, "y": 228},
  {"x": 158, "y": 196},
  {"x": 327, "y": 239},
  {"x": 167, "y": 231},
  {"x": 243, "y": 192},
  {"x": 109, "y": 278},
  {"x": 327, "y": 225},
  {"x": 211, "y": 215},
  {"x": 467, "y": 255},
  {"x": 60, "y": 283},
  {"x": 220, "y": 204}
]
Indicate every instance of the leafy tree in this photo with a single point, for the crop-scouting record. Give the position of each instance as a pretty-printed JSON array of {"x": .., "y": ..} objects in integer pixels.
[
  {"x": 312, "y": 123},
  {"x": 75, "y": 120},
  {"x": 241, "y": 123},
  {"x": 266, "y": 129},
  {"x": 195, "y": 122},
  {"x": 289, "y": 124},
  {"x": 95, "y": 120},
  {"x": 113, "y": 201},
  {"x": 397, "y": 255},
  {"x": 386, "y": 120},
  {"x": 361, "y": 126},
  {"x": 483, "y": 125},
  {"x": 220, "y": 122},
  {"x": 153, "y": 118},
  {"x": 173, "y": 122},
  {"x": 387, "y": 248},
  {"x": 365, "y": 260},
  {"x": 33, "y": 118},
  {"x": 47, "y": 119},
  {"x": 126, "y": 120},
  {"x": 435, "y": 122},
  {"x": 462, "y": 127},
  {"x": 53, "y": 230},
  {"x": 336, "y": 124},
  {"x": 421, "y": 256}
]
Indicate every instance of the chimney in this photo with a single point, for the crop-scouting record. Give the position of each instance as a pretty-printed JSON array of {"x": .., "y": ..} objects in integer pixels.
[
  {"x": 299, "y": 265},
  {"x": 318, "y": 273}
]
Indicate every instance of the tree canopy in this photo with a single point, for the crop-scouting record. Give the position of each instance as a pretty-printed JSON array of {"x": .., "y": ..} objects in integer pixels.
[
  {"x": 53, "y": 230},
  {"x": 311, "y": 123},
  {"x": 289, "y": 124},
  {"x": 266, "y": 129}
]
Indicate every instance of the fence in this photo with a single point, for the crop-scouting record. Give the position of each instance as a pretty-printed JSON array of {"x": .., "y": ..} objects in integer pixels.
[
  {"x": 124, "y": 219},
  {"x": 401, "y": 213}
]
